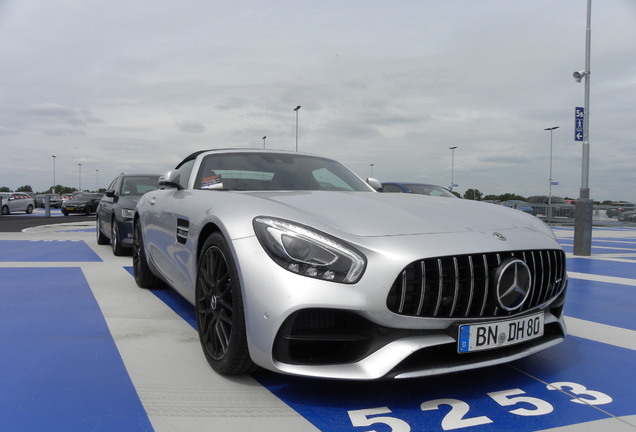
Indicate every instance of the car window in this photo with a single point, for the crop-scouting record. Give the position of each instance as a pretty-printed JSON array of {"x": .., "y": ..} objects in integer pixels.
[
  {"x": 392, "y": 188},
  {"x": 139, "y": 185},
  {"x": 431, "y": 190}
]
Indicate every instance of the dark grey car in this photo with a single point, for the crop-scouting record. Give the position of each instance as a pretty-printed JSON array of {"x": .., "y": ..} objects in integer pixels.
[{"x": 117, "y": 207}]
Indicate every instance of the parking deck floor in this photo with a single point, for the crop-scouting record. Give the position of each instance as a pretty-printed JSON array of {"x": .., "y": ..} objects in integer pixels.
[{"x": 84, "y": 349}]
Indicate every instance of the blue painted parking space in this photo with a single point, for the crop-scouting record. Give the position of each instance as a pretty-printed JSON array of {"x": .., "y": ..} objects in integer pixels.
[
  {"x": 591, "y": 301},
  {"x": 46, "y": 251},
  {"x": 61, "y": 368},
  {"x": 532, "y": 394},
  {"x": 601, "y": 267}
]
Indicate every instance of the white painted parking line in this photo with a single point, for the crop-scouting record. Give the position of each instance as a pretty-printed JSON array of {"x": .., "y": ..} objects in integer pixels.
[
  {"x": 612, "y": 335},
  {"x": 602, "y": 278}
]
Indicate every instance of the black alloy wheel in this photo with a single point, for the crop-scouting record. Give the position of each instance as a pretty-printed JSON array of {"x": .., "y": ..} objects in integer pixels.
[
  {"x": 219, "y": 310},
  {"x": 143, "y": 275}
]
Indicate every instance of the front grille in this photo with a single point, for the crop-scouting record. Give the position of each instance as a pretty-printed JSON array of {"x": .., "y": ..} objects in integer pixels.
[{"x": 460, "y": 286}]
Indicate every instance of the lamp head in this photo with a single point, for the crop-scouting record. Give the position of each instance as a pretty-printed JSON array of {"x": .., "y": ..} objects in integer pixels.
[{"x": 578, "y": 75}]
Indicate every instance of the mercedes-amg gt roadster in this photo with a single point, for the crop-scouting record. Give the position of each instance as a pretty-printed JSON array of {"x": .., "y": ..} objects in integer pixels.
[{"x": 297, "y": 265}]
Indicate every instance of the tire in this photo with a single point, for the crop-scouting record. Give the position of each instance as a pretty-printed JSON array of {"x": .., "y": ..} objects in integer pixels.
[
  {"x": 87, "y": 212},
  {"x": 29, "y": 209},
  {"x": 101, "y": 238},
  {"x": 143, "y": 275},
  {"x": 115, "y": 241},
  {"x": 65, "y": 213},
  {"x": 219, "y": 310},
  {"x": 5, "y": 210}
]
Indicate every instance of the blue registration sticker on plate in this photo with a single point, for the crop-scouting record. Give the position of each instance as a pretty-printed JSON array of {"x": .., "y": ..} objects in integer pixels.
[{"x": 483, "y": 336}]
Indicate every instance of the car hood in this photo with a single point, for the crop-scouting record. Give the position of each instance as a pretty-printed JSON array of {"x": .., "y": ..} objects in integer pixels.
[{"x": 383, "y": 214}]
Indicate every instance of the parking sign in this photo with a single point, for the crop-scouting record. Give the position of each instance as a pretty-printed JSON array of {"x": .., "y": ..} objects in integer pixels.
[{"x": 579, "y": 122}]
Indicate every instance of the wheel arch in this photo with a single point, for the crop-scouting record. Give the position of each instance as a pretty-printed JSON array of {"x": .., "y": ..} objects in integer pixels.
[{"x": 209, "y": 229}]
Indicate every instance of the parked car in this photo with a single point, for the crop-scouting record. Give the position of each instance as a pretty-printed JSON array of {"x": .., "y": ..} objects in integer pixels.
[
  {"x": 546, "y": 206},
  {"x": 84, "y": 202},
  {"x": 519, "y": 205},
  {"x": 67, "y": 196},
  {"x": 417, "y": 188},
  {"x": 627, "y": 216},
  {"x": 617, "y": 208},
  {"x": 295, "y": 264},
  {"x": 54, "y": 200},
  {"x": 117, "y": 207},
  {"x": 16, "y": 202}
]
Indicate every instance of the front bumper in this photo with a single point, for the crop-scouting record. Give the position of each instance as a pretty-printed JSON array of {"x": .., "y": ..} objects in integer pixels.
[{"x": 302, "y": 326}]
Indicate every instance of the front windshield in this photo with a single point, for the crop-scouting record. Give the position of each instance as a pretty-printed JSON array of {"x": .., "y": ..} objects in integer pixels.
[
  {"x": 431, "y": 190},
  {"x": 275, "y": 171}
]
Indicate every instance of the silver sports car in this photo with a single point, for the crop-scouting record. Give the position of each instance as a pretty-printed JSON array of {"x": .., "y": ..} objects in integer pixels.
[{"x": 295, "y": 264}]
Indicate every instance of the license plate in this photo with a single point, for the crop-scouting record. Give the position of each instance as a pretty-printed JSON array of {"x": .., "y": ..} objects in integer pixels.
[
  {"x": 70, "y": 208},
  {"x": 483, "y": 336}
]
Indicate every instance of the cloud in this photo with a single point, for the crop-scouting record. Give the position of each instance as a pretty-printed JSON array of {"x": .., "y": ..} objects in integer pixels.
[
  {"x": 60, "y": 113},
  {"x": 190, "y": 126}
]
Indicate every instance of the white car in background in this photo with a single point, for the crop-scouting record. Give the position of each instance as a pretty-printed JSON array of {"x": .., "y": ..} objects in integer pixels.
[{"x": 295, "y": 264}]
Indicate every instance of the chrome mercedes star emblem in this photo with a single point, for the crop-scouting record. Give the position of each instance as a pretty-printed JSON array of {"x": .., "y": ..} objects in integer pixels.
[
  {"x": 499, "y": 236},
  {"x": 512, "y": 283}
]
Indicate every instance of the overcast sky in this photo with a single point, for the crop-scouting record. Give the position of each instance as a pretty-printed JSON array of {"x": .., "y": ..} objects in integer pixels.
[{"x": 135, "y": 86}]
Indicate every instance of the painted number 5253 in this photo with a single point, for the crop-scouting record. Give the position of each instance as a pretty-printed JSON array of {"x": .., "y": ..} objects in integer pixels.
[{"x": 458, "y": 417}]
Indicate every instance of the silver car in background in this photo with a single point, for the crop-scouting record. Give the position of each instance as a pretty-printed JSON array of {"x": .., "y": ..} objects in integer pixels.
[
  {"x": 16, "y": 202},
  {"x": 295, "y": 264}
]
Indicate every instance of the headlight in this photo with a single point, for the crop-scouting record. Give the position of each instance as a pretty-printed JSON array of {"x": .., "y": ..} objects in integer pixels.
[
  {"x": 127, "y": 213},
  {"x": 308, "y": 252}
]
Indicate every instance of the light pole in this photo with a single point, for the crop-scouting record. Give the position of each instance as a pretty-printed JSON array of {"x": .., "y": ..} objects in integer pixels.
[
  {"x": 80, "y": 177},
  {"x": 371, "y": 165},
  {"x": 296, "y": 109},
  {"x": 452, "y": 149},
  {"x": 53, "y": 190},
  {"x": 551, "y": 129},
  {"x": 584, "y": 205},
  {"x": 264, "y": 142},
  {"x": 96, "y": 180}
]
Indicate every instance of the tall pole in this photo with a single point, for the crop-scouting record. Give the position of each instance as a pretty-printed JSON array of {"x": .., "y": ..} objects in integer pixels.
[
  {"x": 264, "y": 142},
  {"x": 584, "y": 205},
  {"x": 296, "y": 109},
  {"x": 96, "y": 180},
  {"x": 551, "y": 129},
  {"x": 80, "y": 177},
  {"x": 371, "y": 165},
  {"x": 53, "y": 190},
  {"x": 452, "y": 149}
]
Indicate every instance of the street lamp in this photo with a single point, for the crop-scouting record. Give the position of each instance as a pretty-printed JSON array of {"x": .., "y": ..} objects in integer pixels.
[
  {"x": 452, "y": 149},
  {"x": 264, "y": 142},
  {"x": 371, "y": 165},
  {"x": 53, "y": 190},
  {"x": 584, "y": 205},
  {"x": 96, "y": 180},
  {"x": 80, "y": 177},
  {"x": 296, "y": 109},
  {"x": 551, "y": 129}
]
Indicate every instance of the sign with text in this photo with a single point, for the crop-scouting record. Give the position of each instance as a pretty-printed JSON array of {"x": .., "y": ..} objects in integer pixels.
[{"x": 579, "y": 122}]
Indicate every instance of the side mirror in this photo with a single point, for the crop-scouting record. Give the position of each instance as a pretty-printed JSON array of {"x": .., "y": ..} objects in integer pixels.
[
  {"x": 170, "y": 180},
  {"x": 375, "y": 184},
  {"x": 110, "y": 193}
]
